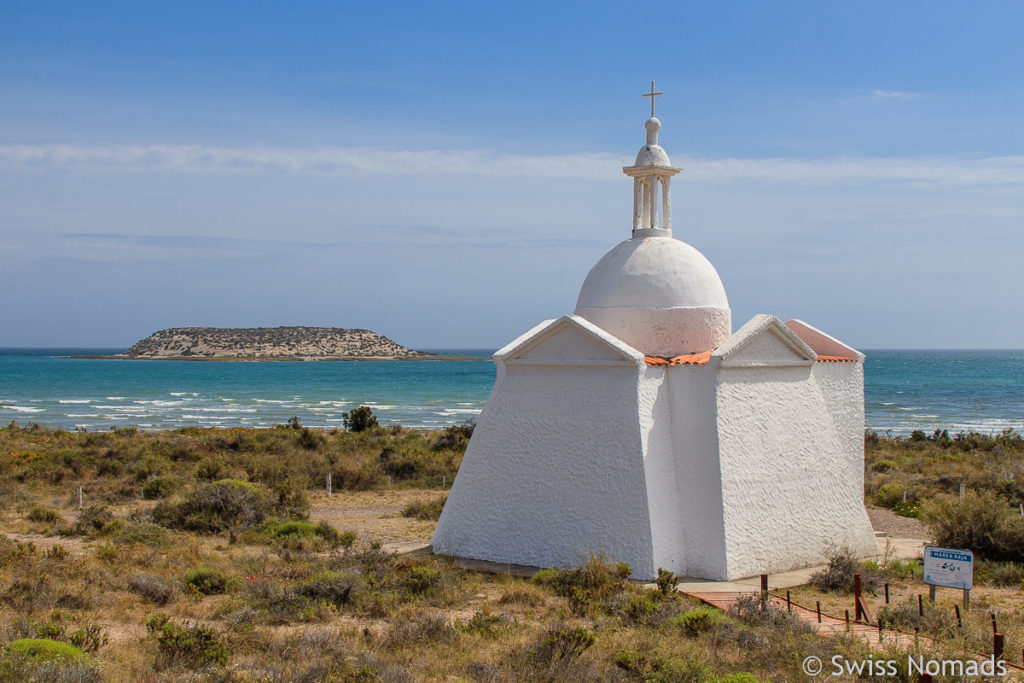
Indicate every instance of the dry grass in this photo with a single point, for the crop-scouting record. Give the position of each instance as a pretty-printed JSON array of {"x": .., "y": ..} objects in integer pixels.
[{"x": 302, "y": 607}]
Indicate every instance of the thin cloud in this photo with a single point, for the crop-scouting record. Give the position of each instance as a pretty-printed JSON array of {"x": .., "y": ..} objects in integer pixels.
[
  {"x": 901, "y": 95},
  {"x": 200, "y": 159},
  {"x": 309, "y": 160}
]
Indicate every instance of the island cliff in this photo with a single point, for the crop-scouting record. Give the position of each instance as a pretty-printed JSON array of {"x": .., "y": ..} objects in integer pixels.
[{"x": 270, "y": 343}]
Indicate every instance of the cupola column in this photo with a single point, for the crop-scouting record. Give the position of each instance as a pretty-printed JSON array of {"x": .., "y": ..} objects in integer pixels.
[
  {"x": 666, "y": 205},
  {"x": 651, "y": 173}
]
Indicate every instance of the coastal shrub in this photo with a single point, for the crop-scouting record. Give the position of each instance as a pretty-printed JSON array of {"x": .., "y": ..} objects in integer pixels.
[
  {"x": 47, "y": 650},
  {"x": 563, "y": 644},
  {"x": 211, "y": 469},
  {"x": 152, "y": 535},
  {"x": 839, "y": 570},
  {"x": 742, "y": 677},
  {"x": 309, "y": 439},
  {"x": 697, "y": 621},
  {"x": 95, "y": 520},
  {"x": 999, "y": 573},
  {"x": 151, "y": 466},
  {"x": 666, "y": 581},
  {"x": 189, "y": 645},
  {"x": 427, "y": 511},
  {"x": 402, "y": 465},
  {"x": 153, "y": 588},
  {"x": 595, "y": 580},
  {"x": 415, "y": 632},
  {"x": 44, "y": 515},
  {"x": 216, "y": 507},
  {"x": 454, "y": 437},
  {"x": 889, "y": 495},
  {"x": 982, "y": 522},
  {"x": 296, "y": 535},
  {"x": 160, "y": 487},
  {"x": 329, "y": 587},
  {"x": 209, "y": 581},
  {"x": 89, "y": 639},
  {"x": 359, "y": 419}
]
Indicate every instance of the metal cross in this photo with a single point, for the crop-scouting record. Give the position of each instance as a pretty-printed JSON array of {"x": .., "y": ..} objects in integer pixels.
[{"x": 653, "y": 95}]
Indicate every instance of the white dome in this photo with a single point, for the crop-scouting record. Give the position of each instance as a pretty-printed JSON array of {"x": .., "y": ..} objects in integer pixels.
[
  {"x": 652, "y": 155},
  {"x": 659, "y": 295}
]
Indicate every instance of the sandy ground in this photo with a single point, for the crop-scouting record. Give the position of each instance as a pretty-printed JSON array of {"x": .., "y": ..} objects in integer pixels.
[
  {"x": 891, "y": 524},
  {"x": 376, "y": 515}
]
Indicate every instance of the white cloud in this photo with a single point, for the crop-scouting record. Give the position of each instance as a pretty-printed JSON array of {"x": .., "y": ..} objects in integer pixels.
[
  {"x": 939, "y": 171},
  {"x": 318, "y": 160},
  {"x": 903, "y": 95}
]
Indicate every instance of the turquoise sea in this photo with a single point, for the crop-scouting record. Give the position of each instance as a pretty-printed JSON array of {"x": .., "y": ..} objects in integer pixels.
[{"x": 905, "y": 390}]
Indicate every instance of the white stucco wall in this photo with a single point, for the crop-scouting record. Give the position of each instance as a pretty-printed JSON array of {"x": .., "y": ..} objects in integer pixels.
[
  {"x": 554, "y": 471},
  {"x": 660, "y": 464},
  {"x": 698, "y": 477},
  {"x": 787, "y": 486}
]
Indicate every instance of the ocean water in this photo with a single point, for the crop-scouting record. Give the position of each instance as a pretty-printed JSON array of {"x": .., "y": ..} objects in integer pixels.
[{"x": 904, "y": 390}]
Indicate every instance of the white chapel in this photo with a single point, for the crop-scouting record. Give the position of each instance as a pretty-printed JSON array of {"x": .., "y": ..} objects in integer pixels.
[{"x": 643, "y": 428}]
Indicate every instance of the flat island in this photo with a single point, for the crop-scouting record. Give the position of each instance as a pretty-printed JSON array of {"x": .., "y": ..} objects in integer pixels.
[{"x": 269, "y": 344}]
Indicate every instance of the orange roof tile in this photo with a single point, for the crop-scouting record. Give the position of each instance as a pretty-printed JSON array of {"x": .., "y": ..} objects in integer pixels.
[
  {"x": 702, "y": 358},
  {"x": 685, "y": 359}
]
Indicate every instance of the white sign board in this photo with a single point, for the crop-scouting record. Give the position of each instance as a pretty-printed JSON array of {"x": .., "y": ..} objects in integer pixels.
[{"x": 949, "y": 568}]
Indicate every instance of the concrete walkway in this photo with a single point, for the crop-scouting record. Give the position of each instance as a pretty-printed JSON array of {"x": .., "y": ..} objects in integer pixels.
[{"x": 901, "y": 548}]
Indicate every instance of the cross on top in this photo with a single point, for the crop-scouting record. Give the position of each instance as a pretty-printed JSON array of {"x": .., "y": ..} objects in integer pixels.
[{"x": 653, "y": 95}]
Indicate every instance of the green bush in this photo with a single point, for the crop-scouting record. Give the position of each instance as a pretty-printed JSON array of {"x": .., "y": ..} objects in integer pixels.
[
  {"x": 156, "y": 488},
  {"x": 190, "y": 645},
  {"x": 697, "y": 621},
  {"x": 277, "y": 529},
  {"x": 421, "y": 580},
  {"x": 595, "y": 580},
  {"x": 743, "y": 677},
  {"x": 152, "y": 535},
  {"x": 889, "y": 495},
  {"x": 44, "y": 515},
  {"x": 216, "y": 507},
  {"x": 359, "y": 419},
  {"x": 209, "y": 581},
  {"x": 982, "y": 522},
  {"x": 211, "y": 468},
  {"x": 47, "y": 650},
  {"x": 666, "y": 581}
]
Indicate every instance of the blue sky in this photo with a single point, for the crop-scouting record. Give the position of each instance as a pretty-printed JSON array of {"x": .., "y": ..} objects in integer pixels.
[{"x": 448, "y": 173}]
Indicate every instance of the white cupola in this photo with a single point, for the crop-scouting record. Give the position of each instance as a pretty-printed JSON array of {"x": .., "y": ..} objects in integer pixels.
[{"x": 658, "y": 294}]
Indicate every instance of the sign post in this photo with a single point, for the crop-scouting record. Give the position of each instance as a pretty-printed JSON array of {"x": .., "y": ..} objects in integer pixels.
[{"x": 949, "y": 568}]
